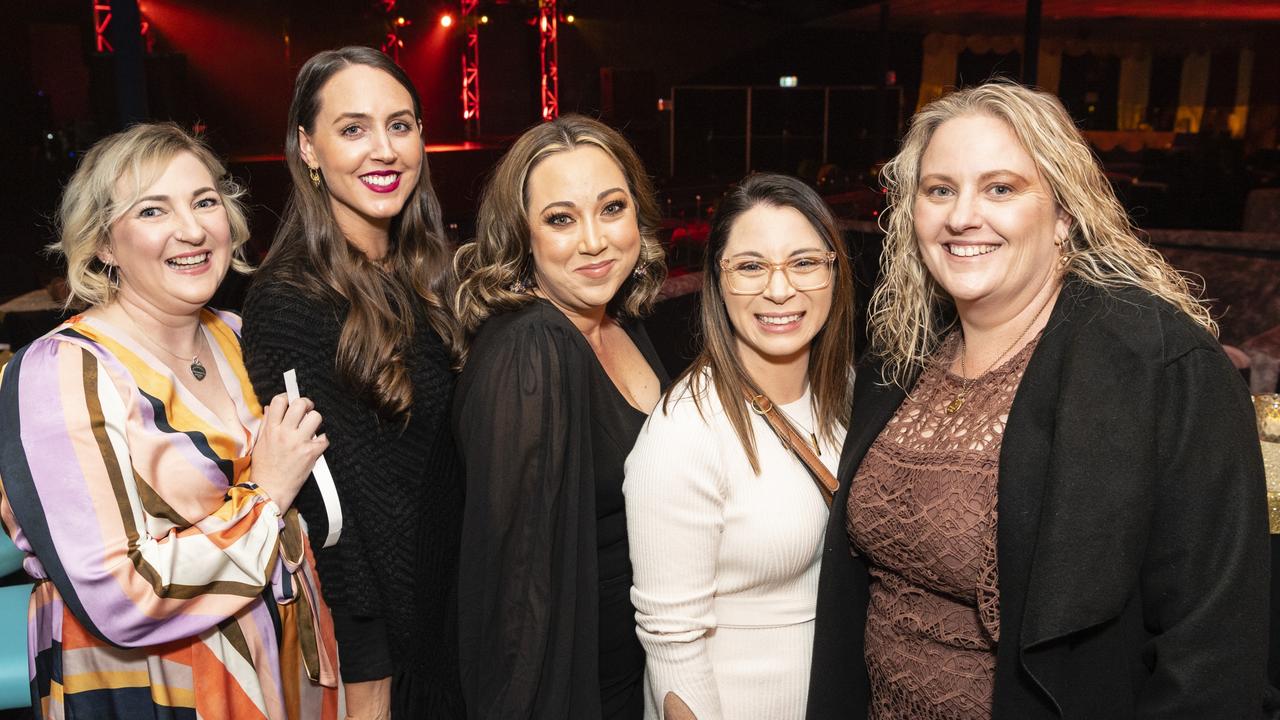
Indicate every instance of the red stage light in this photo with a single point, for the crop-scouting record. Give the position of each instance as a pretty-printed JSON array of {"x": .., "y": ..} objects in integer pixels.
[{"x": 446, "y": 20}]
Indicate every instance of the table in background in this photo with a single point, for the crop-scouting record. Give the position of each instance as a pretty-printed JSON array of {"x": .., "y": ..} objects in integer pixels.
[{"x": 29, "y": 316}]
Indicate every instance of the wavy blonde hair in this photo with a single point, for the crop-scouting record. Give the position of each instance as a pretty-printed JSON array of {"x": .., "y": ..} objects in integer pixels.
[
  {"x": 909, "y": 312},
  {"x": 499, "y": 257},
  {"x": 92, "y": 201}
]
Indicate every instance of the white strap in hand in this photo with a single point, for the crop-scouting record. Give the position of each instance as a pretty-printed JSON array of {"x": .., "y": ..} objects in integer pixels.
[{"x": 324, "y": 479}]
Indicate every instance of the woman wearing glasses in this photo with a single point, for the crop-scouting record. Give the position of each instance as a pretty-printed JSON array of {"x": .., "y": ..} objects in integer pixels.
[{"x": 725, "y": 523}]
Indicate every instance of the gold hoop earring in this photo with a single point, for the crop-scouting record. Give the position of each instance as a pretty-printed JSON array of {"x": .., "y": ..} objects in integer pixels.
[{"x": 315, "y": 176}]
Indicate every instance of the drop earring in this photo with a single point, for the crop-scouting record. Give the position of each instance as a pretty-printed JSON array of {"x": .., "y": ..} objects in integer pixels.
[{"x": 315, "y": 176}]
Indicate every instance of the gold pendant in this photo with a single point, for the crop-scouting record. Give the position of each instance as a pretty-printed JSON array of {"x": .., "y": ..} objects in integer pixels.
[{"x": 955, "y": 404}]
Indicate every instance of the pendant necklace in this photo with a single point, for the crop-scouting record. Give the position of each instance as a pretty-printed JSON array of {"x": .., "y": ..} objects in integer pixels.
[
  {"x": 957, "y": 401},
  {"x": 813, "y": 437},
  {"x": 197, "y": 368}
]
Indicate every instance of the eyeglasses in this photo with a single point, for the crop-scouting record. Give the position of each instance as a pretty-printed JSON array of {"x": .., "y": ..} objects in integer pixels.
[{"x": 750, "y": 276}]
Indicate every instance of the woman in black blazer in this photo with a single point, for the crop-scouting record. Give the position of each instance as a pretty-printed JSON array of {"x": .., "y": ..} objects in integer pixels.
[{"x": 1064, "y": 517}]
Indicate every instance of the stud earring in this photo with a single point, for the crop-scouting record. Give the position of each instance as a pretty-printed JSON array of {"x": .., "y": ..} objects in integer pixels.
[
  {"x": 315, "y": 176},
  {"x": 638, "y": 272}
]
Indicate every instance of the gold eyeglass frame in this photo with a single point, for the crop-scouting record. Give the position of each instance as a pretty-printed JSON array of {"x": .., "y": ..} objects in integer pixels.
[{"x": 829, "y": 257}]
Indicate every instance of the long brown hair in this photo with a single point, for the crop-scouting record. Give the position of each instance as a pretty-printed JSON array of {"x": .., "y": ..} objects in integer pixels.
[
  {"x": 311, "y": 253},
  {"x": 499, "y": 256},
  {"x": 831, "y": 352}
]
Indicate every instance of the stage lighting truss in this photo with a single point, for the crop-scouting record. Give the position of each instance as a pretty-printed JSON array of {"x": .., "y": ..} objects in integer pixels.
[
  {"x": 549, "y": 51},
  {"x": 471, "y": 67},
  {"x": 102, "y": 20}
]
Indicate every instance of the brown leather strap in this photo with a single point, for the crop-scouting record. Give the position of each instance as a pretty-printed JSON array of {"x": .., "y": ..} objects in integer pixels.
[{"x": 826, "y": 482}]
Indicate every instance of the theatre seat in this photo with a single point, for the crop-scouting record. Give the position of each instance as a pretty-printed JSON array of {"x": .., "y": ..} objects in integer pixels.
[{"x": 15, "y": 683}]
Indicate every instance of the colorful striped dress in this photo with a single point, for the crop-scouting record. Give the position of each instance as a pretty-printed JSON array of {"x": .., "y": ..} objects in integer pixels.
[{"x": 167, "y": 584}]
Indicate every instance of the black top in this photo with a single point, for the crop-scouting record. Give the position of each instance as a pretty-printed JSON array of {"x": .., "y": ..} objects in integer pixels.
[
  {"x": 546, "y": 622},
  {"x": 1131, "y": 531},
  {"x": 391, "y": 578}
]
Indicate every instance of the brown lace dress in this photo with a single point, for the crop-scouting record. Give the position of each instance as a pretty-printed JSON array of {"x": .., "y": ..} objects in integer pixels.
[{"x": 922, "y": 509}]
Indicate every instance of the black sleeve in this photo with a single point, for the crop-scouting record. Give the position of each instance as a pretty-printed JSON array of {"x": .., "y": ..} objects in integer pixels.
[
  {"x": 365, "y": 650},
  {"x": 285, "y": 330},
  {"x": 527, "y": 574},
  {"x": 1205, "y": 576}
]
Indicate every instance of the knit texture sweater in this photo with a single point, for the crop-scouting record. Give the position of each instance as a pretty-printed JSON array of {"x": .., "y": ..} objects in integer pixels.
[
  {"x": 725, "y": 560},
  {"x": 400, "y": 484}
]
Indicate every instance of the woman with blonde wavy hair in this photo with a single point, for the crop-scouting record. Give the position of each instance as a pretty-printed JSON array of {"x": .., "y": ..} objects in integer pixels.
[
  {"x": 1051, "y": 494},
  {"x": 557, "y": 382},
  {"x": 148, "y": 488}
]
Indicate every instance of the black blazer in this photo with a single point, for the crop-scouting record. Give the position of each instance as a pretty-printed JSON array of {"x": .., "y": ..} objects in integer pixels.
[{"x": 1132, "y": 534}]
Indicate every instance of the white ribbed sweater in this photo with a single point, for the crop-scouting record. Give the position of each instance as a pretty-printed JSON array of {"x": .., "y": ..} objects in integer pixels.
[{"x": 725, "y": 562}]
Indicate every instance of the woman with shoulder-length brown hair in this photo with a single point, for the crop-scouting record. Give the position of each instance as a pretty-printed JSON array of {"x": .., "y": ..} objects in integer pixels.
[
  {"x": 353, "y": 296},
  {"x": 725, "y": 519},
  {"x": 557, "y": 382},
  {"x": 1051, "y": 496}
]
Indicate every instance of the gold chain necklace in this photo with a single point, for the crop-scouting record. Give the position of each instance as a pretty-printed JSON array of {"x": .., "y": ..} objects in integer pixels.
[
  {"x": 957, "y": 402},
  {"x": 813, "y": 437},
  {"x": 197, "y": 368}
]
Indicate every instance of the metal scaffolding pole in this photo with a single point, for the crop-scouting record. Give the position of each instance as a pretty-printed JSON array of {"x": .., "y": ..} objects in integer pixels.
[
  {"x": 548, "y": 21},
  {"x": 471, "y": 68}
]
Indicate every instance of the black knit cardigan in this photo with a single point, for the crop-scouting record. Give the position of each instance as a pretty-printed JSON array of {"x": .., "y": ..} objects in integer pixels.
[{"x": 400, "y": 484}]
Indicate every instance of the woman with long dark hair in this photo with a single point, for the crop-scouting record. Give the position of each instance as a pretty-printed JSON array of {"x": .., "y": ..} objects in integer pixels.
[
  {"x": 352, "y": 296},
  {"x": 725, "y": 521}
]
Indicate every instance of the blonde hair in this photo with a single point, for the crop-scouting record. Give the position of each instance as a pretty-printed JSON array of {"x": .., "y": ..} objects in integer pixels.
[
  {"x": 498, "y": 258},
  {"x": 909, "y": 312},
  {"x": 89, "y": 205}
]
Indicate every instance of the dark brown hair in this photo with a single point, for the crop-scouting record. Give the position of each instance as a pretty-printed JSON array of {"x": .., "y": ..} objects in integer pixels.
[
  {"x": 831, "y": 352},
  {"x": 499, "y": 255},
  {"x": 311, "y": 253}
]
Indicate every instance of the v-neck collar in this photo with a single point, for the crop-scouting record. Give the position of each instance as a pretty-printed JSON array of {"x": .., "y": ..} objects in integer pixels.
[
  {"x": 228, "y": 374},
  {"x": 655, "y": 365}
]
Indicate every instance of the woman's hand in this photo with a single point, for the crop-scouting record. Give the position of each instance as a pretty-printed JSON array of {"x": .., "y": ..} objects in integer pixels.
[
  {"x": 673, "y": 708},
  {"x": 287, "y": 448}
]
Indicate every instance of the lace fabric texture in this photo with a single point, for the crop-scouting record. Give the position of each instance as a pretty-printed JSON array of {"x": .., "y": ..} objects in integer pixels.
[{"x": 922, "y": 509}]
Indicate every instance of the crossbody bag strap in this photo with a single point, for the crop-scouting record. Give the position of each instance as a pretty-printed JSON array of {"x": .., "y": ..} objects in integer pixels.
[{"x": 822, "y": 477}]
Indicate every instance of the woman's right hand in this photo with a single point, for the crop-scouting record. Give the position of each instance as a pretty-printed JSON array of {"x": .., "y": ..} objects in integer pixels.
[{"x": 287, "y": 448}]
